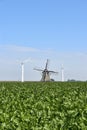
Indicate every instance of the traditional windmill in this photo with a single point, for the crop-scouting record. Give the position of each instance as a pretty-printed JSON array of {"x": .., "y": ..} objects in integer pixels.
[{"x": 46, "y": 73}]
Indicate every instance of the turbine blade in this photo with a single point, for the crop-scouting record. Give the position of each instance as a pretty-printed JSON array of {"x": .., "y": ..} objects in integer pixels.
[
  {"x": 38, "y": 69},
  {"x": 24, "y": 61},
  {"x": 53, "y": 72},
  {"x": 27, "y": 60}
]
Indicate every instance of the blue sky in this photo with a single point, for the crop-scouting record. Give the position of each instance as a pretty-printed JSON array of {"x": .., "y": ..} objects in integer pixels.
[{"x": 43, "y": 29}]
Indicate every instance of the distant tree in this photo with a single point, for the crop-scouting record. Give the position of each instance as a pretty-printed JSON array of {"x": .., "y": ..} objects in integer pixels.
[{"x": 71, "y": 80}]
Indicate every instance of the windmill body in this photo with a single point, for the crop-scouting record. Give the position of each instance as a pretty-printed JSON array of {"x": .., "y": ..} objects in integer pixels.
[
  {"x": 46, "y": 73},
  {"x": 45, "y": 76}
]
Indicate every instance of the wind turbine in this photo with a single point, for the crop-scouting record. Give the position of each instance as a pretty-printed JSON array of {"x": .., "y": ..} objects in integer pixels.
[
  {"x": 22, "y": 71},
  {"x": 22, "y": 68},
  {"x": 62, "y": 73}
]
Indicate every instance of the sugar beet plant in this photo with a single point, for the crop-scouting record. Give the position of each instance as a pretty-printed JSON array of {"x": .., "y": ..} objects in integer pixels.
[{"x": 43, "y": 106}]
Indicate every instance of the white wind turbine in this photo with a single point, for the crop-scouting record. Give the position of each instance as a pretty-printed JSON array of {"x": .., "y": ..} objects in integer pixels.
[
  {"x": 22, "y": 68},
  {"x": 62, "y": 73}
]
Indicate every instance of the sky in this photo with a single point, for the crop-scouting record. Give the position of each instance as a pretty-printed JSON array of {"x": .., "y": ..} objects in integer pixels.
[{"x": 41, "y": 30}]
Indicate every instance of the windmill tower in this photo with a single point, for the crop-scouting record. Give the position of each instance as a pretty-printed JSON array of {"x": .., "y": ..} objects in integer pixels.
[
  {"x": 62, "y": 73},
  {"x": 46, "y": 73}
]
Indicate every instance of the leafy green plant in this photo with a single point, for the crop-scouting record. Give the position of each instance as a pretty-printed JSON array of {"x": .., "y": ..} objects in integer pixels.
[{"x": 43, "y": 106}]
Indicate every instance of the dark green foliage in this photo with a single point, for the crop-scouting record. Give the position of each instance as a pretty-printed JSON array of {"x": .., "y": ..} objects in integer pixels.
[{"x": 43, "y": 106}]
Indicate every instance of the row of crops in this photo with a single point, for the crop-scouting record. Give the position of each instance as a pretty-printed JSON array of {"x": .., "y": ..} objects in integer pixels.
[{"x": 43, "y": 106}]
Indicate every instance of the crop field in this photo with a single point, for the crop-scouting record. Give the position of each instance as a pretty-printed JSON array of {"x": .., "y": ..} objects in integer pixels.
[{"x": 43, "y": 106}]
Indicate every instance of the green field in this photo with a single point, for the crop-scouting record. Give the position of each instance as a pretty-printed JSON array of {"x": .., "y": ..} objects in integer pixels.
[{"x": 43, "y": 106}]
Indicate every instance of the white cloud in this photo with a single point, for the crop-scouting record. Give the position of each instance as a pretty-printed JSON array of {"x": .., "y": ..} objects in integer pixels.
[{"x": 17, "y": 48}]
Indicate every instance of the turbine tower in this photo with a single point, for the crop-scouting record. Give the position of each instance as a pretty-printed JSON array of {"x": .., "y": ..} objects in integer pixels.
[
  {"x": 22, "y": 71},
  {"x": 62, "y": 73},
  {"x": 22, "y": 68}
]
